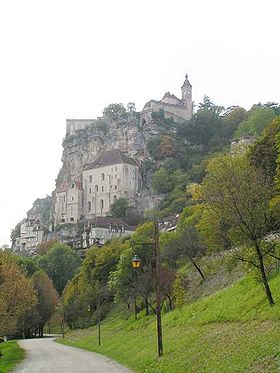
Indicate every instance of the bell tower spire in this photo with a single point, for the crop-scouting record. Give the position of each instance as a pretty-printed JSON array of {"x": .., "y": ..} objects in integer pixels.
[{"x": 187, "y": 94}]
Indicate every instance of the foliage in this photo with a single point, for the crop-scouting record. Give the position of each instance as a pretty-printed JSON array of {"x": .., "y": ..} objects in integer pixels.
[
  {"x": 45, "y": 308},
  {"x": 45, "y": 246},
  {"x": 60, "y": 263},
  {"x": 179, "y": 292},
  {"x": 236, "y": 208},
  {"x": 17, "y": 295},
  {"x": 115, "y": 112},
  {"x": 258, "y": 118},
  {"x": 264, "y": 152},
  {"x": 119, "y": 207}
]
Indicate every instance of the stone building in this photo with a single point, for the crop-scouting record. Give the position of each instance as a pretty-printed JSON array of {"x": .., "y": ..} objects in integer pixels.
[
  {"x": 69, "y": 203},
  {"x": 112, "y": 175},
  {"x": 73, "y": 125},
  {"x": 31, "y": 235},
  {"x": 173, "y": 107}
]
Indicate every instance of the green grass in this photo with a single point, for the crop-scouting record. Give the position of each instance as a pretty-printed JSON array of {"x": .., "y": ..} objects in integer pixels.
[
  {"x": 12, "y": 354},
  {"x": 233, "y": 330}
]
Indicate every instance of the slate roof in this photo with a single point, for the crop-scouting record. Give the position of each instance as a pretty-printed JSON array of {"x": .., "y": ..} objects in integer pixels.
[
  {"x": 109, "y": 158},
  {"x": 105, "y": 221}
]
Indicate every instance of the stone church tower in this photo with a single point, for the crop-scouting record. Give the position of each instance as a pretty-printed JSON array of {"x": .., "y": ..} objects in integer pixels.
[{"x": 173, "y": 107}]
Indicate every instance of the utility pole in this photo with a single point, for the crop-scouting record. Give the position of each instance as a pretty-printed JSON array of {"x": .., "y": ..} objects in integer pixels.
[{"x": 158, "y": 289}]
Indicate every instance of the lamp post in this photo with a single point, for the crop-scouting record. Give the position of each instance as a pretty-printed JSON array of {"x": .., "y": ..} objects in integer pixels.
[{"x": 136, "y": 263}]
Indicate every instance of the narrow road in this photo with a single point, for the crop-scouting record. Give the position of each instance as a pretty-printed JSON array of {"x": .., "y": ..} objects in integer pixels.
[{"x": 47, "y": 356}]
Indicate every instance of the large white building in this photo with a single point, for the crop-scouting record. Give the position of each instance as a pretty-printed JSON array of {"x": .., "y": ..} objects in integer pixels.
[{"x": 110, "y": 176}]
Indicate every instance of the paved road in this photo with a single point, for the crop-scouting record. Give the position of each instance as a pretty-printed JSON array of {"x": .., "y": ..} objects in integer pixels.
[{"x": 47, "y": 356}]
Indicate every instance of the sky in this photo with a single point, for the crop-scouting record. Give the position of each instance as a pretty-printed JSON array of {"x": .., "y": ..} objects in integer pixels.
[{"x": 69, "y": 59}]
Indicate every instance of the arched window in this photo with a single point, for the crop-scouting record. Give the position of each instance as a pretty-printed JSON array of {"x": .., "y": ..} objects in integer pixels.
[
  {"x": 96, "y": 188},
  {"x": 101, "y": 204},
  {"x": 114, "y": 198},
  {"x": 90, "y": 178},
  {"x": 103, "y": 176},
  {"x": 89, "y": 206}
]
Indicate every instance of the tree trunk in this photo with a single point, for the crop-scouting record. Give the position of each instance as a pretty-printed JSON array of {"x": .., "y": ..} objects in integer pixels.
[
  {"x": 264, "y": 278},
  {"x": 199, "y": 270},
  {"x": 135, "y": 309},
  {"x": 147, "y": 307}
]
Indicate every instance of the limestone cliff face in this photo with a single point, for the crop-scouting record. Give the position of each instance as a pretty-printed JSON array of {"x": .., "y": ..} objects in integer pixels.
[{"x": 85, "y": 145}]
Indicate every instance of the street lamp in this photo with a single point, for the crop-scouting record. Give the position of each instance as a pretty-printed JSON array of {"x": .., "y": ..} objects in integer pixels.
[{"x": 136, "y": 263}]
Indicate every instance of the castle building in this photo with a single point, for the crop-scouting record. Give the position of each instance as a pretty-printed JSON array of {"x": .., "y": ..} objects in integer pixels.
[
  {"x": 173, "y": 107},
  {"x": 112, "y": 175},
  {"x": 69, "y": 203}
]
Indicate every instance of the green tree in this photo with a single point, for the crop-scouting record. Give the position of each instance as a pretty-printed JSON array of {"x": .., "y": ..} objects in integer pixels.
[
  {"x": 60, "y": 263},
  {"x": 258, "y": 118},
  {"x": 179, "y": 291},
  {"x": 161, "y": 181},
  {"x": 264, "y": 152},
  {"x": 119, "y": 207},
  {"x": 115, "y": 112},
  {"x": 237, "y": 204}
]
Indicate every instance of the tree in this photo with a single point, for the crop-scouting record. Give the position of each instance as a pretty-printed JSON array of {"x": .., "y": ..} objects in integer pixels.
[
  {"x": 115, "y": 112},
  {"x": 236, "y": 199},
  {"x": 161, "y": 181},
  {"x": 264, "y": 152},
  {"x": 119, "y": 207},
  {"x": 60, "y": 263},
  {"x": 258, "y": 118},
  {"x": 45, "y": 246},
  {"x": 17, "y": 295},
  {"x": 35, "y": 319},
  {"x": 179, "y": 291}
]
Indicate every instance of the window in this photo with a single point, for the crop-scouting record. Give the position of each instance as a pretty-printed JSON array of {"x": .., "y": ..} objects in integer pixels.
[
  {"x": 72, "y": 198},
  {"x": 62, "y": 220},
  {"x": 114, "y": 198},
  {"x": 89, "y": 190},
  {"x": 116, "y": 176},
  {"x": 101, "y": 204},
  {"x": 89, "y": 206},
  {"x": 96, "y": 188},
  {"x": 103, "y": 189},
  {"x": 72, "y": 185},
  {"x": 103, "y": 177},
  {"x": 116, "y": 187},
  {"x": 90, "y": 178},
  {"x": 71, "y": 219},
  {"x": 116, "y": 168}
]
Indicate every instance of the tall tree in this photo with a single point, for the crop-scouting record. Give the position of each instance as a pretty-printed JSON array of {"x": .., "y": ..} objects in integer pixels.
[
  {"x": 236, "y": 204},
  {"x": 17, "y": 295},
  {"x": 60, "y": 263}
]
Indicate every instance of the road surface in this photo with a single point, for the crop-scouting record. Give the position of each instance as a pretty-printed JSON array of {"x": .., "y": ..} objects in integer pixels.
[{"x": 46, "y": 356}]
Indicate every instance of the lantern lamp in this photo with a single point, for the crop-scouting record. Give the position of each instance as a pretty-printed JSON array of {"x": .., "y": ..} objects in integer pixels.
[{"x": 136, "y": 262}]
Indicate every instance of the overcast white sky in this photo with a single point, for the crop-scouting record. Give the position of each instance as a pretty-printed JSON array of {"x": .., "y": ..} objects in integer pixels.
[{"x": 69, "y": 59}]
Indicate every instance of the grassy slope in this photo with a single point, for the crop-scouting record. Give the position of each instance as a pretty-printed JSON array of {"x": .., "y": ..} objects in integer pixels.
[
  {"x": 233, "y": 330},
  {"x": 12, "y": 355}
]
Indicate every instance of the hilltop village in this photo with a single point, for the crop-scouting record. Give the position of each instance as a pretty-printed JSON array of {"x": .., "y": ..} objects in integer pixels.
[{"x": 103, "y": 161}]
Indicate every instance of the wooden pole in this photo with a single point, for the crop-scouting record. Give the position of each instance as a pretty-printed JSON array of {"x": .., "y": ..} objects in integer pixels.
[{"x": 158, "y": 290}]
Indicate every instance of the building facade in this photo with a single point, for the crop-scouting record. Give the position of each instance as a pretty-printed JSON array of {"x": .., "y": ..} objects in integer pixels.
[
  {"x": 31, "y": 235},
  {"x": 111, "y": 176},
  {"x": 68, "y": 203},
  {"x": 173, "y": 107}
]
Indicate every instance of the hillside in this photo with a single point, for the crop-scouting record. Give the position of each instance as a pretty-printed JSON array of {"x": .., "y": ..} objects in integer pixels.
[{"x": 233, "y": 330}]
